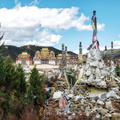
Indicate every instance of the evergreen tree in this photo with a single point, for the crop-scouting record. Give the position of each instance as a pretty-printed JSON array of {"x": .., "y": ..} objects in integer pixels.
[
  {"x": 9, "y": 74},
  {"x": 5, "y": 97},
  {"x": 20, "y": 82},
  {"x": 2, "y": 74},
  {"x": 36, "y": 87}
]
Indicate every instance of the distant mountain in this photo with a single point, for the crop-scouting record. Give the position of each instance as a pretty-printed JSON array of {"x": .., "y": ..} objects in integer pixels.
[
  {"x": 14, "y": 51},
  {"x": 116, "y": 53}
]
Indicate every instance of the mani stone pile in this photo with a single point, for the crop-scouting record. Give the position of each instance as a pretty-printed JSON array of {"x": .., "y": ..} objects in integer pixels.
[
  {"x": 97, "y": 89},
  {"x": 60, "y": 86},
  {"x": 109, "y": 106},
  {"x": 61, "y": 83},
  {"x": 96, "y": 73}
]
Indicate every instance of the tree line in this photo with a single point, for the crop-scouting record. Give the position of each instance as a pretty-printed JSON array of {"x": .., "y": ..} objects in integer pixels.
[{"x": 15, "y": 92}]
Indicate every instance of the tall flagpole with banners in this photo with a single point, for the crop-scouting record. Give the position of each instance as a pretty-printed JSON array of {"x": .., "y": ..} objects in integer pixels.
[{"x": 94, "y": 27}]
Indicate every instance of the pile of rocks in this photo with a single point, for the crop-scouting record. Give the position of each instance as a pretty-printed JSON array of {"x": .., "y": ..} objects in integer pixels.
[
  {"x": 106, "y": 107},
  {"x": 53, "y": 104},
  {"x": 99, "y": 76},
  {"x": 94, "y": 75},
  {"x": 81, "y": 89},
  {"x": 61, "y": 84}
]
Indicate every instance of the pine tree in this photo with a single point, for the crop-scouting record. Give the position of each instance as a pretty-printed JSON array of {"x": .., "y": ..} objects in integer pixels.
[
  {"x": 9, "y": 74},
  {"x": 4, "y": 98},
  {"x": 36, "y": 87},
  {"x": 2, "y": 86},
  {"x": 20, "y": 82},
  {"x": 2, "y": 74},
  {"x": 5, "y": 92}
]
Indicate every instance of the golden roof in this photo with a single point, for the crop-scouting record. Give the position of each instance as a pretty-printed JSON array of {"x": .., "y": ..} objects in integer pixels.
[
  {"x": 24, "y": 54},
  {"x": 60, "y": 55},
  {"x": 44, "y": 49},
  {"x": 45, "y": 53}
]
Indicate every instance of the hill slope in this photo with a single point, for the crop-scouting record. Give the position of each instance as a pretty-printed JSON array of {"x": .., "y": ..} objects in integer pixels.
[
  {"x": 14, "y": 51},
  {"x": 116, "y": 53}
]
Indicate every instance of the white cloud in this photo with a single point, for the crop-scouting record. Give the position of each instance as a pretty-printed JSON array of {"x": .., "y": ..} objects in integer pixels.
[
  {"x": 35, "y": 2},
  {"x": 84, "y": 51},
  {"x": 116, "y": 44},
  {"x": 33, "y": 25},
  {"x": 100, "y": 26},
  {"x": 102, "y": 48},
  {"x": 118, "y": 35},
  {"x": 44, "y": 39}
]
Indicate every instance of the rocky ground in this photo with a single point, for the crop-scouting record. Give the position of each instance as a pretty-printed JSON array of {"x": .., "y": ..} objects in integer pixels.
[{"x": 97, "y": 91}]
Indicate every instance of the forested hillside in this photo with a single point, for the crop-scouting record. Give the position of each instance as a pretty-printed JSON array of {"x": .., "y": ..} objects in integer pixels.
[{"x": 14, "y": 51}]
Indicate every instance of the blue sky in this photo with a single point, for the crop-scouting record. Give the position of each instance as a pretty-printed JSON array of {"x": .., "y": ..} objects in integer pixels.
[{"x": 53, "y": 22}]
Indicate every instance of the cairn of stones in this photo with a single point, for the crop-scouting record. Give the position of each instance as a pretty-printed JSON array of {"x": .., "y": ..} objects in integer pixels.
[
  {"x": 62, "y": 82},
  {"x": 94, "y": 74},
  {"x": 99, "y": 76}
]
